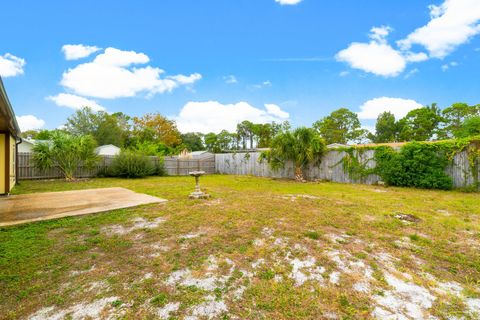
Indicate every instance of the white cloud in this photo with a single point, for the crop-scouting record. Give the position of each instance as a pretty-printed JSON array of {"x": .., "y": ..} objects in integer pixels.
[
  {"x": 416, "y": 57},
  {"x": 411, "y": 73},
  {"x": 121, "y": 58},
  {"x": 288, "y": 2},
  {"x": 264, "y": 84},
  {"x": 344, "y": 73},
  {"x": 379, "y": 34},
  {"x": 30, "y": 122},
  {"x": 376, "y": 57},
  {"x": 452, "y": 23},
  {"x": 113, "y": 74},
  {"x": 78, "y": 51},
  {"x": 11, "y": 66},
  {"x": 181, "y": 79},
  {"x": 231, "y": 79},
  {"x": 276, "y": 111},
  {"x": 399, "y": 107},
  {"x": 213, "y": 116},
  {"x": 446, "y": 66},
  {"x": 74, "y": 102}
]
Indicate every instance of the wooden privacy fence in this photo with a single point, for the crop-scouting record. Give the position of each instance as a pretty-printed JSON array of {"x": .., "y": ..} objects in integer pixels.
[
  {"x": 247, "y": 163},
  {"x": 173, "y": 166},
  {"x": 331, "y": 168}
]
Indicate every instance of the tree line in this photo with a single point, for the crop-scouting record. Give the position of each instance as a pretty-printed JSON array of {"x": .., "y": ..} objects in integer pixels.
[{"x": 154, "y": 134}]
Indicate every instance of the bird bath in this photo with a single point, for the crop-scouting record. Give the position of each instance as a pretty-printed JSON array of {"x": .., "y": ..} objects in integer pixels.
[{"x": 198, "y": 194}]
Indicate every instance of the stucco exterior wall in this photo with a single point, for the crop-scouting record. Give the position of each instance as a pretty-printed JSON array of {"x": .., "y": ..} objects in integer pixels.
[
  {"x": 2, "y": 163},
  {"x": 7, "y": 141},
  {"x": 12, "y": 164}
]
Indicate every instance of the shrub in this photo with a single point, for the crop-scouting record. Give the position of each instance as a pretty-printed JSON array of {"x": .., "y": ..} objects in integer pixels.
[
  {"x": 419, "y": 165},
  {"x": 131, "y": 165},
  {"x": 303, "y": 147},
  {"x": 66, "y": 152}
]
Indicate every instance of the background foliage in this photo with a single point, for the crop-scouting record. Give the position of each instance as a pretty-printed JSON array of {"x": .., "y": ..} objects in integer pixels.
[{"x": 418, "y": 165}]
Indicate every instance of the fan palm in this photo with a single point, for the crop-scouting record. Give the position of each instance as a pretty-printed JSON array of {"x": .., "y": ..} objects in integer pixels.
[{"x": 303, "y": 146}]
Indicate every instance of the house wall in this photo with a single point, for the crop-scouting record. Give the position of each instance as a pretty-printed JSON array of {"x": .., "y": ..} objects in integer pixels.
[
  {"x": 2, "y": 163},
  {"x": 7, "y": 163},
  {"x": 12, "y": 163}
]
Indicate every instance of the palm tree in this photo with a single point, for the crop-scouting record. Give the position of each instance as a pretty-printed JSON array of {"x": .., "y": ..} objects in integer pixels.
[
  {"x": 303, "y": 146},
  {"x": 242, "y": 133},
  {"x": 65, "y": 152}
]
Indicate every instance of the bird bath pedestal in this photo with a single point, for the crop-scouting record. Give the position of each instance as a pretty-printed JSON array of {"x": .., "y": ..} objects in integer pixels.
[{"x": 198, "y": 194}]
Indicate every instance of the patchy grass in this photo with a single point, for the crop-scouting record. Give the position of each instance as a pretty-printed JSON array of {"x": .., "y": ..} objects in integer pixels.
[{"x": 259, "y": 248}]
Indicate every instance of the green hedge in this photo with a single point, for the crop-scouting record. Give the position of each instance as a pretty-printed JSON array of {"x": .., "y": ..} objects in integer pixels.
[
  {"x": 416, "y": 164},
  {"x": 129, "y": 164}
]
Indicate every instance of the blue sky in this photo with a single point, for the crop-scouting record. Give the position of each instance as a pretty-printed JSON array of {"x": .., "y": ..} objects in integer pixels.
[{"x": 209, "y": 64}]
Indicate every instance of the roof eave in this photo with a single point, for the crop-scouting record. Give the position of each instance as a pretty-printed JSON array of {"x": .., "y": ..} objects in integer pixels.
[{"x": 9, "y": 110}]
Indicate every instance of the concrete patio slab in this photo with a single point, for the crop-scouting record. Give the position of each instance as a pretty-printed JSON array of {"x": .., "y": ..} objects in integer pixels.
[{"x": 25, "y": 208}]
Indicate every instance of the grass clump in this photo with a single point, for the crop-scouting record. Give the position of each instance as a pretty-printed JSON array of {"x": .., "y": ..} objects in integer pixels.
[
  {"x": 160, "y": 300},
  {"x": 314, "y": 235}
]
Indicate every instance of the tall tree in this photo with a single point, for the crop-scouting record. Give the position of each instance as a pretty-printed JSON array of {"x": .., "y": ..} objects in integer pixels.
[
  {"x": 150, "y": 148},
  {"x": 454, "y": 116},
  {"x": 30, "y": 134},
  {"x": 156, "y": 128},
  {"x": 109, "y": 131},
  {"x": 303, "y": 146},
  {"x": 193, "y": 141},
  {"x": 211, "y": 142},
  {"x": 38, "y": 134},
  {"x": 263, "y": 134},
  {"x": 280, "y": 127},
  {"x": 420, "y": 124},
  {"x": 103, "y": 127},
  {"x": 341, "y": 126},
  {"x": 124, "y": 122},
  {"x": 245, "y": 131},
  {"x": 386, "y": 128},
  {"x": 469, "y": 128},
  {"x": 82, "y": 122}
]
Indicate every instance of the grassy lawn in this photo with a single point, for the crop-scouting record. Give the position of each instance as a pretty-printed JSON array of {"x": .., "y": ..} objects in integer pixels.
[{"x": 258, "y": 249}]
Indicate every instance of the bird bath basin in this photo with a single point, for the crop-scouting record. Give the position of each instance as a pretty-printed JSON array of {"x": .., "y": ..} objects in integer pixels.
[{"x": 198, "y": 194}]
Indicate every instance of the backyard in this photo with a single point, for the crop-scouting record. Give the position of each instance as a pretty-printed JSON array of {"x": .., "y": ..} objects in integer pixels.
[{"x": 259, "y": 248}]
